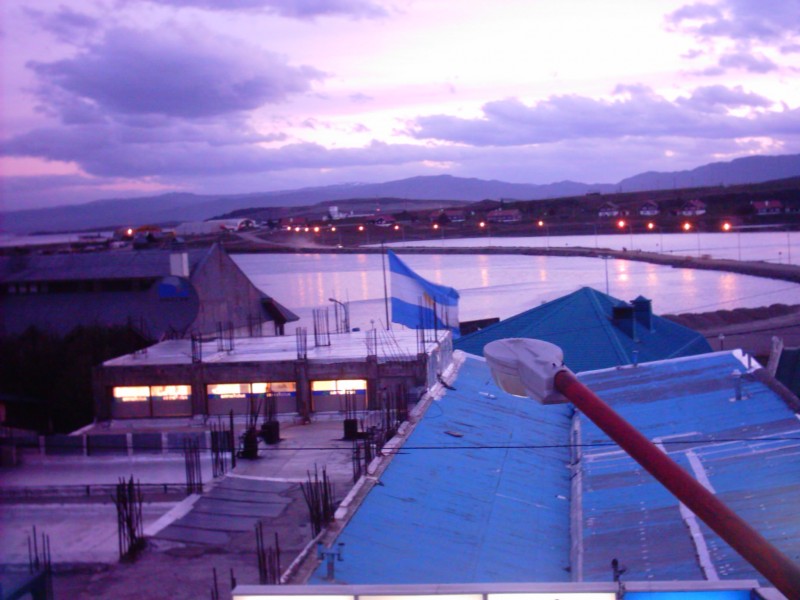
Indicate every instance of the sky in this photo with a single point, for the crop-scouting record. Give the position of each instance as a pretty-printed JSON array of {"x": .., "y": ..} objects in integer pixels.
[{"x": 120, "y": 98}]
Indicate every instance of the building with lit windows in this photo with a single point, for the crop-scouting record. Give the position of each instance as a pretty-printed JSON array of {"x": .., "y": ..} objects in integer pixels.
[{"x": 347, "y": 371}]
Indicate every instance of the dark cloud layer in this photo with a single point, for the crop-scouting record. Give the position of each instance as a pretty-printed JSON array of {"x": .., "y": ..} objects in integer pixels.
[
  {"x": 105, "y": 151},
  {"x": 169, "y": 73},
  {"x": 155, "y": 146},
  {"x": 639, "y": 112},
  {"x": 294, "y": 9}
]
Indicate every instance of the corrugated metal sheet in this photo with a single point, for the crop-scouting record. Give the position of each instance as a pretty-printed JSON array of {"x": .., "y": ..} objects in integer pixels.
[
  {"x": 580, "y": 324},
  {"x": 141, "y": 264},
  {"x": 788, "y": 372},
  {"x": 486, "y": 510},
  {"x": 748, "y": 451},
  {"x": 468, "y": 509}
]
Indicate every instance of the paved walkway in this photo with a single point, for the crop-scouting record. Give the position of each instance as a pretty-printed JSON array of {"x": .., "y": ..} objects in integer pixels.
[{"x": 187, "y": 537}]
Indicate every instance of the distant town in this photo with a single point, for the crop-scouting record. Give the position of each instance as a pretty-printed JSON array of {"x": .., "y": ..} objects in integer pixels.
[{"x": 347, "y": 224}]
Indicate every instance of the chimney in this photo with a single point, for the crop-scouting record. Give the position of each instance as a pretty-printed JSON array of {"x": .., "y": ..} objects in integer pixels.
[
  {"x": 623, "y": 318},
  {"x": 179, "y": 261},
  {"x": 643, "y": 312}
]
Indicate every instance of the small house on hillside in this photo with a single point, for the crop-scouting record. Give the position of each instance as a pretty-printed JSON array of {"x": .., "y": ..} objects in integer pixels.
[
  {"x": 649, "y": 209},
  {"x": 450, "y": 215},
  {"x": 767, "y": 207},
  {"x": 504, "y": 215},
  {"x": 693, "y": 208},
  {"x": 608, "y": 210}
]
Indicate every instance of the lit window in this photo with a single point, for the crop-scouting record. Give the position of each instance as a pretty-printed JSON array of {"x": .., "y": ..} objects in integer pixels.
[
  {"x": 279, "y": 388},
  {"x": 339, "y": 386},
  {"x": 171, "y": 392},
  {"x": 229, "y": 390},
  {"x": 139, "y": 393}
]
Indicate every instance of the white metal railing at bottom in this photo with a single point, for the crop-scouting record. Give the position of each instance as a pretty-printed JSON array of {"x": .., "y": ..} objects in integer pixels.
[{"x": 630, "y": 590}]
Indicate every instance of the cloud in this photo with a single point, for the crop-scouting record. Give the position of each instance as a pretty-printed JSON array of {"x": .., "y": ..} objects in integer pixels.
[
  {"x": 746, "y": 29},
  {"x": 118, "y": 150},
  {"x": 360, "y": 98},
  {"x": 635, "y": 111},
  {"x": 718, "y": 98},
  {"x": 67, "y": 24},
  {"x": 747, "y": 62},
  {"x": 293, "y": 9},
  {"x": 764, "y": 20},
  {"x": 172, "y": 73},
  {"x": 161, "y": 148}
]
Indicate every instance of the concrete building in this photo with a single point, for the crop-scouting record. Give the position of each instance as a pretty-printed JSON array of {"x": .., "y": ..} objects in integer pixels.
[
  {"x": 160, "y": 293},
  {"x": 185, "y": 378}
]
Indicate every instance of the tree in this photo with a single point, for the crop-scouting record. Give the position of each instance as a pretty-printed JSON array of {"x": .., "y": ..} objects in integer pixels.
[{"x": 57, "y": 370}]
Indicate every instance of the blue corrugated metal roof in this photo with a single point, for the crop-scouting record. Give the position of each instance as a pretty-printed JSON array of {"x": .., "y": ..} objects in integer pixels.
[
  {"x": 486, "y": 510},
  {"x": 468, "y": 509},
  {"x": 581, "y": 324},
  {"x": 748, "y": 451}
]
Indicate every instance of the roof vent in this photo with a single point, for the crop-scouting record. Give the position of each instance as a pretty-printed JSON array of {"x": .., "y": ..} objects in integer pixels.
[
  {"x": 179, "y": 263},
  {"x": 643, "y": 312},
  {"x": 623, "y": 317}
]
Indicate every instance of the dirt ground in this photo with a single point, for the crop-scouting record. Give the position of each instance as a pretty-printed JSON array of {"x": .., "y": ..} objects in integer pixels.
[{"x": 750, "y": 329}]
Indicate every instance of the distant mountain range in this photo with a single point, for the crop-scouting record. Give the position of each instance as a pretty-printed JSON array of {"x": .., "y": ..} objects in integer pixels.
[{"x": 178, "y": 207}]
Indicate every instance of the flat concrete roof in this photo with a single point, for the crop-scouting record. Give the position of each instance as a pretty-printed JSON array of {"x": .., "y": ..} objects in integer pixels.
[{"x": 394, "y": 344}]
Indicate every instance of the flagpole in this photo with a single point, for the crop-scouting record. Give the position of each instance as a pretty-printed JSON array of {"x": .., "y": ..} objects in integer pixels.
[{"x": 385, "y": 289}]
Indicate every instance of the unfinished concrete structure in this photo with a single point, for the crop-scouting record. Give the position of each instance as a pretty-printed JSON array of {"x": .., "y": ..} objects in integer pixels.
[{"x": 348, "y": 371}]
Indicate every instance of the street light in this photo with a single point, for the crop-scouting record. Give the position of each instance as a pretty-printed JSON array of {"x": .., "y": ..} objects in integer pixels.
[
  {"x": 541, "y": 223},
  {"x": 534, "y": 368},
  {"x": 345, "y": 314},
  {"x": 687, "y": 227},
  {"x": 651, "y": 227},
  {"x": 727, "y": 227},
  {"x": 622, "y": 223},
  {"x": 485, "y": 225}
]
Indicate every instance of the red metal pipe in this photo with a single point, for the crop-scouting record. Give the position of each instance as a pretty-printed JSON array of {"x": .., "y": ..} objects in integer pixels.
[{"x": 754, "y": 548}]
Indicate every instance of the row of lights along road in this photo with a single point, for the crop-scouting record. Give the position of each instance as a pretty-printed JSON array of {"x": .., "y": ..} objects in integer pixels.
[{"x": 621, "y": 224}]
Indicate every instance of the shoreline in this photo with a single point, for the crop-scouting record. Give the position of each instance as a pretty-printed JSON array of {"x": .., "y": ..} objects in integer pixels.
[{"x": 784, "y": 272}]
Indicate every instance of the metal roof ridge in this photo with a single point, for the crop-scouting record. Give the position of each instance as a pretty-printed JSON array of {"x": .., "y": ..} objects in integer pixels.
[
  {"x": 606, "y": 324},
  {"x": 736, "y": 353}
]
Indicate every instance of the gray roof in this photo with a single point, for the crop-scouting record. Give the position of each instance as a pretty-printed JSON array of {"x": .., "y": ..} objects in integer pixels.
[
  {"x": 60, "y": 313},
  {"x": 139, "y": 264}
]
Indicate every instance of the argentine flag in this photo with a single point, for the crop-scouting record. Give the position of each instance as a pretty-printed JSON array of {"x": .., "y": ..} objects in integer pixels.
[{"x": 419, "y": 304}]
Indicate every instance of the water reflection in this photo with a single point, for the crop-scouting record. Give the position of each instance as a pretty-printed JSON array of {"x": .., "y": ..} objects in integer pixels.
[
  {"x": 504, "y": 285},
  {"x": 734, "y": 245}
]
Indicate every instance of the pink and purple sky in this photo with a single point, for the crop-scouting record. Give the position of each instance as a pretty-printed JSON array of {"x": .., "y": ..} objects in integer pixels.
[{"x": 117, "y": 98}]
